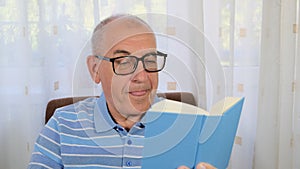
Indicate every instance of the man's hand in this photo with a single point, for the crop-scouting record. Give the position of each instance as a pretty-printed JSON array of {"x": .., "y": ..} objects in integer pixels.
[{"x": 199, "y": 166}]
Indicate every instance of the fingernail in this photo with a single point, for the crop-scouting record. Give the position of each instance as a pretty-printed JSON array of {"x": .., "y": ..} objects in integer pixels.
[{"x": 202, "y": 167}]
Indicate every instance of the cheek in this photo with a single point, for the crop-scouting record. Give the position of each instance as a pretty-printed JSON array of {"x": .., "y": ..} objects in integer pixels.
[
  {"x": 154, "y": 80},
  {"x": 106, "y": 79},
  {"x": 106, "y": 86},
  {"x": 119, "y": 84}
]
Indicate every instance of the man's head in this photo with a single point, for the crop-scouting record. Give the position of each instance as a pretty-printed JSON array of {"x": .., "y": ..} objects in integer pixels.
[{"x": 129, "y": 94}]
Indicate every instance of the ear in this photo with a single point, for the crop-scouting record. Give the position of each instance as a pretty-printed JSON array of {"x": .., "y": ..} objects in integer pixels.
[{"x": 93, "y": 66}]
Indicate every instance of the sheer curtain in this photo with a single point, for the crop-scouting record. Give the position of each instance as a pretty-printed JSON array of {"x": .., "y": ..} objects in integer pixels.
[
  {"x": 266, "y": 71},
  {"x": 278, "y": 130},
  {"x": 234, "y": 29},
  {"x": 40, "y": 42}
]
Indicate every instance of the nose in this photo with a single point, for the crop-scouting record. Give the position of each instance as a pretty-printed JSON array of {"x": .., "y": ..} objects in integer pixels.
[{"x": 140, "y": 73}]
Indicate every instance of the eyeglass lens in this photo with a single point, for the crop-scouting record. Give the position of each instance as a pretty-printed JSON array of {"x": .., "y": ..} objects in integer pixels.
[{"x": 128, "y": 64}]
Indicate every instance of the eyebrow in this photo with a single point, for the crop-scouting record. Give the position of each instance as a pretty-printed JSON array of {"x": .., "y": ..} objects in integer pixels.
[{"x": 121, "y": 51}]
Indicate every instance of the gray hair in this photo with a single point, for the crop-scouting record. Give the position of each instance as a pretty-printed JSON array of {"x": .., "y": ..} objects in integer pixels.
[{"x": 97, "y": 37}]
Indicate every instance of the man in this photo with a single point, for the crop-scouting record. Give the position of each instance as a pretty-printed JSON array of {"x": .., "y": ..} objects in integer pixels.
[{"x": 101, "y": 133}]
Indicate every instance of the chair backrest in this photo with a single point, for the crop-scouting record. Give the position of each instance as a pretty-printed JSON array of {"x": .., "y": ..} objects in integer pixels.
[{"x": 184, "y": 97}]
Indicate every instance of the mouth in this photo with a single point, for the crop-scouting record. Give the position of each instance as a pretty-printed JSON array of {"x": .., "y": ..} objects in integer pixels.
[{"x": 139, "y": 93}]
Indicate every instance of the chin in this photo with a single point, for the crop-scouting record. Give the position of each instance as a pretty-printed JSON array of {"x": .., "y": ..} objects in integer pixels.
[
  {"x": 141, "y": 107},
  {"x": 142, "y": 103}
]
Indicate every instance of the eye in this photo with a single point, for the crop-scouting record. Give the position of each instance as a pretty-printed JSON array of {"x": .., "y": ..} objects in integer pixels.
[
  {"x": 151, "y": 59},
  {"x": 122, "y": 61}
]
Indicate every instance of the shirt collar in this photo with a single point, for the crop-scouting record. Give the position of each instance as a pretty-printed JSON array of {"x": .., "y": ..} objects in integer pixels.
[{"x": 102, "y": 118}]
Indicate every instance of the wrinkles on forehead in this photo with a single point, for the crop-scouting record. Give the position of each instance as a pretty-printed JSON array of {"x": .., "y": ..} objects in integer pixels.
[{"x": 116, "y": 31}]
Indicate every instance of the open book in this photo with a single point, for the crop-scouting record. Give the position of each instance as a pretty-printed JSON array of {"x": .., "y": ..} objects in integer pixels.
[{"x": 180, "y": 134}]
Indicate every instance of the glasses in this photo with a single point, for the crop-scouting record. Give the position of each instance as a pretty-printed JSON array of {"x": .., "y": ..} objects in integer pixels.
[{"x": 124, "y": 65}]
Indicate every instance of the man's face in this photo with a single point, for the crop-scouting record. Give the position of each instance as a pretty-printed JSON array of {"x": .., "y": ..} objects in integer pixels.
[{"x": 130, "y": 95}]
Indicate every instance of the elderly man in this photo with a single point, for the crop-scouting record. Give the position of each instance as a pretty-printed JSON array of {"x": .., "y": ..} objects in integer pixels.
[{"x": 101, "y": 132}]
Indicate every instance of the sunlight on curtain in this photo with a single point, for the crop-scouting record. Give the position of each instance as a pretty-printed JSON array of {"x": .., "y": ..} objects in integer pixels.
[
  {"x": 244, "y": 70},
  {"x": 296, "y": 112},
  {"x": 234, "y": 29},
  {"x": 39, "y": 45},
  {"x": 278, "y": 136}
]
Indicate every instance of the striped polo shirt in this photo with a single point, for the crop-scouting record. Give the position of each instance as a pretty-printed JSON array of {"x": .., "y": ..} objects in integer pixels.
[{"x": 83, "y": 135}]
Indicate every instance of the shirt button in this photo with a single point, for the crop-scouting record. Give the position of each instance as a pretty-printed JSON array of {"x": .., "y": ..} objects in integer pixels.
[
  {"x": 129, "y": 142},
  {"x": 118, "y": 129},
  {"x": 129, "y": 163}
]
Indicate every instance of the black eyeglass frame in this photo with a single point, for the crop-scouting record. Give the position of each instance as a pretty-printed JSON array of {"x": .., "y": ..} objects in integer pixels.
[{"x": 138, "y": 59}]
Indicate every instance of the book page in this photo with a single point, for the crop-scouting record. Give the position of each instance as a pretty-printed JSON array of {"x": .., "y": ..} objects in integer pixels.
[
  {"x": 222, "y": 106},
  {"x": 171, "y": 106}
]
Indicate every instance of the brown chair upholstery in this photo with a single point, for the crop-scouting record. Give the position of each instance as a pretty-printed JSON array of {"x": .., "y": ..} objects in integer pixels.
[{"x": 184, "y": 97}]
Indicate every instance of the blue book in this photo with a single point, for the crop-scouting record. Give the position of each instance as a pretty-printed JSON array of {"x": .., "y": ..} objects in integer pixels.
[{"x": 181, "y": 134}]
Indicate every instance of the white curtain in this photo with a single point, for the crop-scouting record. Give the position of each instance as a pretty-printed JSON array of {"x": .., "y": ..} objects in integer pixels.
[
  {"x": 234, "y": 27},
  {"x": 278, "y": 130},
  {"x": 40, "y": 43}
]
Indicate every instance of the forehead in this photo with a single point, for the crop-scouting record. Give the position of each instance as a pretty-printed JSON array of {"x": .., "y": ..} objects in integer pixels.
[
  {"x": 137, "y": 43},
  {"x": 126, "y": 31}
]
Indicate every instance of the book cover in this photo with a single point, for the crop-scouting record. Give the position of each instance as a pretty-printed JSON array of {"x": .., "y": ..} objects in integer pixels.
[{"x": 180, "y": 134}]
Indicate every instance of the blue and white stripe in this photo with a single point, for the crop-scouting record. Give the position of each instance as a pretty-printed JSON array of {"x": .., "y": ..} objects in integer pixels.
[{"x": 83, "y": 135}]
